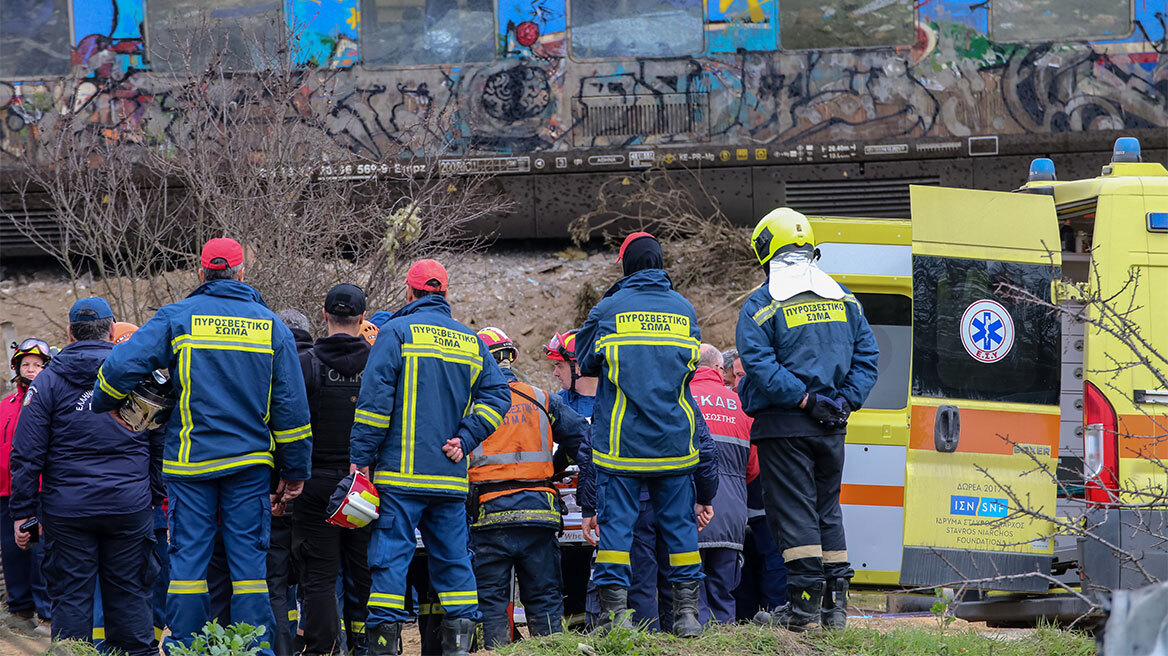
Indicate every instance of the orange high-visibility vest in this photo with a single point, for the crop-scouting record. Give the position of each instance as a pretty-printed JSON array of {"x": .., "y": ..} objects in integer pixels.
[{"x": 521, "y": 449}]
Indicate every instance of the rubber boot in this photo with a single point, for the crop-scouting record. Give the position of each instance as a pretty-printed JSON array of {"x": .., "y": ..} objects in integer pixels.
[
  {"x": 835, "y": 605},
  {"x": 800, "y": 613},
  {"x": 384, "y": 639},
  {"x": 456, "y": 635},
  {"x": 685, "y": 609},
  {"x": 614, "y": 607}
]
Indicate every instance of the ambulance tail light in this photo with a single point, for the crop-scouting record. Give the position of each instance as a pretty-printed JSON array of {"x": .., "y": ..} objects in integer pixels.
[{"x": 1100, "y": 447}]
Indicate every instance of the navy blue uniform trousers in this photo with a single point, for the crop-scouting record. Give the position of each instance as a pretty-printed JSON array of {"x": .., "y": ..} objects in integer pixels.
[
  {"x": 22, "y": 570},
  {"x": 238, "y": 506},
  {"x": 618, "y": 506},
  {"x": 534, "y": 555},
  {"x": 119, "y": 548}
]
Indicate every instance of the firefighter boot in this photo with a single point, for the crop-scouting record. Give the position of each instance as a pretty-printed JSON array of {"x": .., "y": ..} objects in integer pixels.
[
  {"x": 685, "y": 609},
  {"x": 800, "y": 613},
  {"x": 835, "y": 605},
  {"x": 614, "y": 607},
  {"x": 384, "y": 639},
  {"x": 456, "y": 635}
]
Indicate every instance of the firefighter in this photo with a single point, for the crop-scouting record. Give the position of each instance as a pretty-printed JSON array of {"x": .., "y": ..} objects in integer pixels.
[
  {"x": 810, "y": 360},
  {"x": 430, "y": 394},
  {"x": 579, "y": 392},
  {"x": 240, "y": 398},
  {"x": 642, "y": 341},
  {"x": 333, "y": 369},
  {"x": 514, "y": 508}
]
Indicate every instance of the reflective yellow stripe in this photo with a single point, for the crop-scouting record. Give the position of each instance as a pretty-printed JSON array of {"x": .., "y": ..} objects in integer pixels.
[
  {"x": 384, "y": 600},
  {"x": 187, "y": 587},
  {"x": 687, "y": 558},
  {"x": 219, "y": 343},
  {"x": 835, "y": 556},
  {"x": 158, "y": 633},
  {"x": 410, "y": 396},
  {"x": 221, "y": 464},
  {"x": 618, "y": 408},
  {"x": 357, "y": 627},
  {"x": 431, "y": 609},
  {"x": 184, "y": 407},
  {"x": 371, "y": 418},
  {"x": 105, "y": 387},
  {"x": 464, "y": 598},
  {"x": 456, "y": 357},
  {"x": 399, "y": 479},
  {"x": 293, "y": 615},
  {"x": 489, "y": 414},
  {"x": 612, "y": 557},
  {"x": 99, "y": 633},
  {"x": 644, "y": 464},
  {"x": 805, "y": 551},
  {"x": 293, "y": 434},
  {"x": 251, "y": 586}
]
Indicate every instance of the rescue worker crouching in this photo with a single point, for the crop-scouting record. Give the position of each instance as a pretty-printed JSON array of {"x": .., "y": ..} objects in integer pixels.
[
  {"x": 641, "y": 340},
  {"x": 431, "y": 393},
  {"x": 514, "y": 508},
  {"x": 332, "y": 368},
  {"x": 810, "y": 360},
  {"x": 241, "y": 398}
]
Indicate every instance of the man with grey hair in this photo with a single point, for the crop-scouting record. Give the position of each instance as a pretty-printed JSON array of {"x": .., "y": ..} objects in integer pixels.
[
  {"x": 732, "y": 370},
  {"x": 720, "y": 543},
  {"x": 301, "y": 331}
]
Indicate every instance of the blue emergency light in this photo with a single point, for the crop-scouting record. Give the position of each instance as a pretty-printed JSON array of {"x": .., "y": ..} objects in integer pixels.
[
  {"x": 1127, "y": 149},
  {"x": 1041, "y": 170},
  {"x": 1157, "y": 221}
]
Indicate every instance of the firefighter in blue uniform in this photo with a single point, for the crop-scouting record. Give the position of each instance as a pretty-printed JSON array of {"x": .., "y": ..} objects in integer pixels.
[
  {"x": 430, "y": 394},
  {"x": 240, "y": 397},
  {"x": 641, "y": 340},
  {"x": 810, "y": 360}
]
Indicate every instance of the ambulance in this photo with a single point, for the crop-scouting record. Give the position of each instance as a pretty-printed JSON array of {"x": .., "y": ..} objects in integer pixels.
[{"x": 1000, "y": 401}]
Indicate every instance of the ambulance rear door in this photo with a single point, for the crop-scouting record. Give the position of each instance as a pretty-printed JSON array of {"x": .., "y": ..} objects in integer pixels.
[
  {"x": 873, "y": 258},
  {"x": 984, "y": 419}
]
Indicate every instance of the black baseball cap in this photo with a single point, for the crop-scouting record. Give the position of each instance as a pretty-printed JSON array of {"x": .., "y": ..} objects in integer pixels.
[{"x": 345, "y": 300}]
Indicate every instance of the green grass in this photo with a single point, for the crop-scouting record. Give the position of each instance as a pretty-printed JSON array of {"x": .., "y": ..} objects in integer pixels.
[{"x": 1045, "y": 641}]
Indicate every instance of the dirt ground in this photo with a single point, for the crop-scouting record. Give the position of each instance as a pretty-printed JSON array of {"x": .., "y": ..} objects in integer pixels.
[{"x": 529, "y": 293}]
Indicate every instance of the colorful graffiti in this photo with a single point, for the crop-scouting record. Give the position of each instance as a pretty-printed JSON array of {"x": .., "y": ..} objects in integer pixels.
[{"x": 954, "y": 81}]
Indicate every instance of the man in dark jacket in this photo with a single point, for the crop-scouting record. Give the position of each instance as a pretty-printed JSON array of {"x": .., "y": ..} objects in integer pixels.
[
  {"x": 332, "y": 375},
  {"x": 641, "y": 340},
  {"x": 810, "y": 360},
  {"x": 97, "y": 481}
]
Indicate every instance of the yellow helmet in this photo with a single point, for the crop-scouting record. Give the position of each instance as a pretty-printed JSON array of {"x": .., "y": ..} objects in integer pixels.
[{"x": 781, "y": 227}]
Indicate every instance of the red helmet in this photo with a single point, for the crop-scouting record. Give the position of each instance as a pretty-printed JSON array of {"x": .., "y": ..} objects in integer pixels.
[
  {"x": 30, "y": 346},
  {"x": 123, "y": 330},
  {"x": 355, "y": 502},
  {"x": 561, "y": 347},
  {"x": 499, "y": 344}
]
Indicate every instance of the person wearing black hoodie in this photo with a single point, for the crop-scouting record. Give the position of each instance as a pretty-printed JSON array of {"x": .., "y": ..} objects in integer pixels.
[
  {"x": 332, "y": 375},
  {"x": 91, "y": 483}
]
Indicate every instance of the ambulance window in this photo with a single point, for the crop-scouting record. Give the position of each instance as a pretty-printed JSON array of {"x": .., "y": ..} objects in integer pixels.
[
  {"x": 890, "y": 316},
  {"x": 944, "y": 289}
]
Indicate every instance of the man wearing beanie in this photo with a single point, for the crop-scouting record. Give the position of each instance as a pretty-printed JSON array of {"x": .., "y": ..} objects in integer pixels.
[{"x": 641, "y": 340}]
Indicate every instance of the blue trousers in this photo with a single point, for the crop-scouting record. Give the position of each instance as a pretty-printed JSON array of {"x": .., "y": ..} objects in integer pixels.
[
  {"x": 650, "y": 595},
  {"x": 22, "y": 570},
  {"x": 722, "y": 567},
  {"x": 618, "y": 505},
  {"x": 766, "y": 586},
  {"x": 121, "y": 549},
  {"x": 162, "y": 556},
  {"x": 442, "y": 521},
  {"x": 534, "y": 555},
  {"x": 236, "y": 505}
]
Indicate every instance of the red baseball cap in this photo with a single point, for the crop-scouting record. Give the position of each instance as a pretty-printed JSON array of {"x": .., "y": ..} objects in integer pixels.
[
  {"x": 427, "y": 275},
  {"x": 225, "y": 249},
  {"x": 630, "y": 239}
]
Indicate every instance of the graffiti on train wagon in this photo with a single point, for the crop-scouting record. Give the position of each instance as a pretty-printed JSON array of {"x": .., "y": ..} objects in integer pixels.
[{"x": 513, "y": 78}]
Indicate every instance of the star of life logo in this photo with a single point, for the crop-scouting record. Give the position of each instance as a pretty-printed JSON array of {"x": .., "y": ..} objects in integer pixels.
[{"x": 987, "y": 331}]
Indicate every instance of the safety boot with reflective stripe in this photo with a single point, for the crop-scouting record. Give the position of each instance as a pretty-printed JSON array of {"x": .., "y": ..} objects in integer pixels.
[
  {"x": 800, "y": 613},
  {"x": 614, "y": 608},
  {"x": 456, "y": 635},
  {"x": 835, "y": 605},
  {"x": 384, "y": 639},
  {"x": 685, "y": 609}
]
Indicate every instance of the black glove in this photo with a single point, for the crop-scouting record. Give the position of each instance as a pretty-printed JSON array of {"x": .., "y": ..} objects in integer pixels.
[
  {"x": 847, "y": 412},
  {"x": 826, "y": 410}
]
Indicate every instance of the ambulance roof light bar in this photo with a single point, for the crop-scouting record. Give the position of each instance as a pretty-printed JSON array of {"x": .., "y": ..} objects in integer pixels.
[
  {"x": 1042, "y": 170},
  {"x": 1127, "y": 149}
]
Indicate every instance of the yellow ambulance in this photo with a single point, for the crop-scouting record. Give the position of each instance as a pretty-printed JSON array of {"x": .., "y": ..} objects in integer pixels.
[{"x": 984, "y": 394}]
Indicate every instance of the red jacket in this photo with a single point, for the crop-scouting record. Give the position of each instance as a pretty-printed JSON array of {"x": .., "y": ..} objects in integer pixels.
[
  {"x": 9, "y": 413},
  {"x": 730, "y": 428}
]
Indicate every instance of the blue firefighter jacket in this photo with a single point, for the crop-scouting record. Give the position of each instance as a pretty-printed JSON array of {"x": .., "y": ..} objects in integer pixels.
[
  {"x": 240, "y": 388},
  {"x": 429, "y": 378},
  {"x": 84, "y": 464},
  {"x": 642, "y": 341},
  {"x": 804, "y": 345}
]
